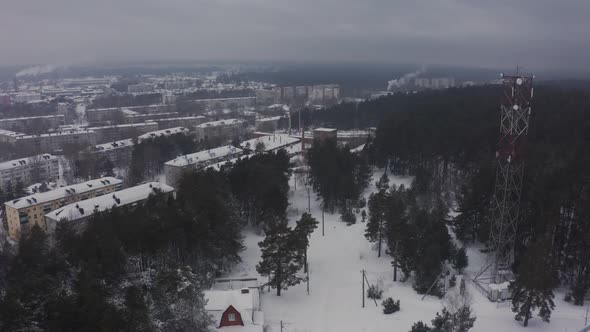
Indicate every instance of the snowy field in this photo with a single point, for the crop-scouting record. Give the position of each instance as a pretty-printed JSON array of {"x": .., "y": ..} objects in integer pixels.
[{"x": 334, "y": 302}]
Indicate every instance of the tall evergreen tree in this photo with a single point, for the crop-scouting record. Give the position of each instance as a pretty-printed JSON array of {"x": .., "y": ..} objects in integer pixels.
[
  {"x": 281, "y": 258},
  {"x": 533, "y": 287}
]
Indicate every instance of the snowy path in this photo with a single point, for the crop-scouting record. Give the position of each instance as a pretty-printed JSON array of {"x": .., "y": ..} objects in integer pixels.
[{"x": 334, "y": 302}]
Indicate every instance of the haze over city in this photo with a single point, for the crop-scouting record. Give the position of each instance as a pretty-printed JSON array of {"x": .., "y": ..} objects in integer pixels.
[
  {"x": 295, "y": 166},
  {"x": 543, "y": 34}
]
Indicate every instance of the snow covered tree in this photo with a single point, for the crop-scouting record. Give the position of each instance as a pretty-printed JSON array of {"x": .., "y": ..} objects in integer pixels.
[
  {"x": 305, "y": 226},
  {"x": 376, "y": 225},
  {"x": 281, "y": 258},
  {"x": 347, "y": 215},
  {"x": 420, "y": 327},
  {"x": 460, "y": 321},
  {"x": 460, "y": 260},
  {"x": 533, "y": 287}
]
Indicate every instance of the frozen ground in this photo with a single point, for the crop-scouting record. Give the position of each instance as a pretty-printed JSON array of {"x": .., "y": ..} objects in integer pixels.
[{"x": 334, "y": 302}]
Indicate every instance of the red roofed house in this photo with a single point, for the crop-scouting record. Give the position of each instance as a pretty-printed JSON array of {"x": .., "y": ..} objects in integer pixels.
[{"x": 235, "y": 310}]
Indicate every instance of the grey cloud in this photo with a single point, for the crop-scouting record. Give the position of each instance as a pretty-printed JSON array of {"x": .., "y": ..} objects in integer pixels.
[{"x": 541, "y": 33}]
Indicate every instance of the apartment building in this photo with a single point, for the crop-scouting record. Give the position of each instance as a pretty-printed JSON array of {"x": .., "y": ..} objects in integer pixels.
[
  {"x": 222, "y": 129},
  {"x": 163, "y": 133},
  {"x": 26, "y": 123},
  {"x": 106, "y": 134},
  {"x": 98, "y": 115},
  {"x": 139, "y": 118},
  {"x": 221, "y": 103},
  {"x": 80, "y": 212},
  {"x": 56, "y": 141},
  {"x": 7, "y": 136},
  {"x": 25, "y": 212},
  {"x": 41, "y": 168},
  {"x": 118, "y": 152},
  {"x": 187, "y": 121},
  {"x": 176, "y": 168}
]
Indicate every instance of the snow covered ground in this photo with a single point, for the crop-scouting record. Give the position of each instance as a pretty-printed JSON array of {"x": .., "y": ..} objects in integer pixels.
[{"x": 334, "y": 302}]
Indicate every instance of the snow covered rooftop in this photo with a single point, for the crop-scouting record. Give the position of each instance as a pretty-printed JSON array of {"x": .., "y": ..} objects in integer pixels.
[
  {"x": 222, "y": 299},
  {"x": 60, "y": 133},
  {"x": 48, "y": 196},
  {"x": 326, "y": 130},
  {"x": 85, "y": 208},
  {"x": 163, "y": 132},
  {"x": 271, "y": 142},
  {"x": 25, "y": 161},
  {"x": 221, "y": 123},
  {"x": 219, "y": 165},
  {"x": 113, "y": 145},
  {"x": 202, "y": 156},
  {"x": 32, "y": 117},
  {"x": 270, "y": 119},
  {"x": 230, "y": 98},
  {"x": 129, "y": 125},
  {"x": 10, "y": 133},
  {"x": 187, "y": 118}
]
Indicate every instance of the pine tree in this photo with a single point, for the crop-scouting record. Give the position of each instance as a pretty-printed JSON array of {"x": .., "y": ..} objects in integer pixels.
[
  {"x": 347, "y": 215},
  {"x": 533, "y": 287},
  {"x": 281, "y": 258},
  {"x": 420, "y": 327},
  {"x": 376, "y": 225},
  {"x": 305, "y": 226},
  {"x": 460, "y": 260}
]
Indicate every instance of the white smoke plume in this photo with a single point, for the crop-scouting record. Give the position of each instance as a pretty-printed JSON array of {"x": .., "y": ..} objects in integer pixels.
[
  {"x": 37, "y": 70},
  {"x": 404, "y": 80}
]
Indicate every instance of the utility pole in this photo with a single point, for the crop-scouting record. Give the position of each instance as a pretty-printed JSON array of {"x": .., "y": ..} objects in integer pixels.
[
  {"x": 323, "y": 221},
  {"x": 307, "y": 268},
  {"x": 363, "y": 283},
  {"x": 308, "y": 199}
]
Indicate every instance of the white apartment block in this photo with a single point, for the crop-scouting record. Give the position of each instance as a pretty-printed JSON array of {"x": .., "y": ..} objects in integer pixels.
[
  {"x": 23, "y": 124},
  {"x": 56, "y": 141},
  {"x": 222, "y": 129},
  {"x": 25, "y": 212},
  {"x": 176, "y": 168},
  {"x": 40, "y": 168}
]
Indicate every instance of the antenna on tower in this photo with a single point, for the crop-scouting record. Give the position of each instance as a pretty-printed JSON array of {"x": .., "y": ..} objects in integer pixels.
[{"x": 515, "y": 110}]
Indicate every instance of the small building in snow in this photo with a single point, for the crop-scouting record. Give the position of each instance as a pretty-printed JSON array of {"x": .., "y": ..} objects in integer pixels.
[{"x": 235, "y": 309}]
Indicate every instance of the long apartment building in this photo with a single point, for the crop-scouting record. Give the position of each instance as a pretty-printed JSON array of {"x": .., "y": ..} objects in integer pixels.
[
  {"x": 82, "y": 211},
  {"x": 26, "y": 123},
  {"x": 286, "y": 94},
  {"x": 222, "y": 129},
  {"x": 187, "y": 121},
  {"x": 176, "y": 168},
  {"x": 41, "y": 168},
  {"x": 130, "y": 117},
  {"x": 118, "y": 152},
  {"x": 163, "y": 133},
  {"x": 51, "y": 142},
  {"x": 102, "y": 114},
  {"x": 23, "y": 213},
  {"x": 221, "y": 103},
  {"x": 8, "y": 136},
  {"x": 118, "y": 132}
]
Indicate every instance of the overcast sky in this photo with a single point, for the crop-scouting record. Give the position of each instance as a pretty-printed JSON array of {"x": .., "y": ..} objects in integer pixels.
[{"x": 543, "y": 34}]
